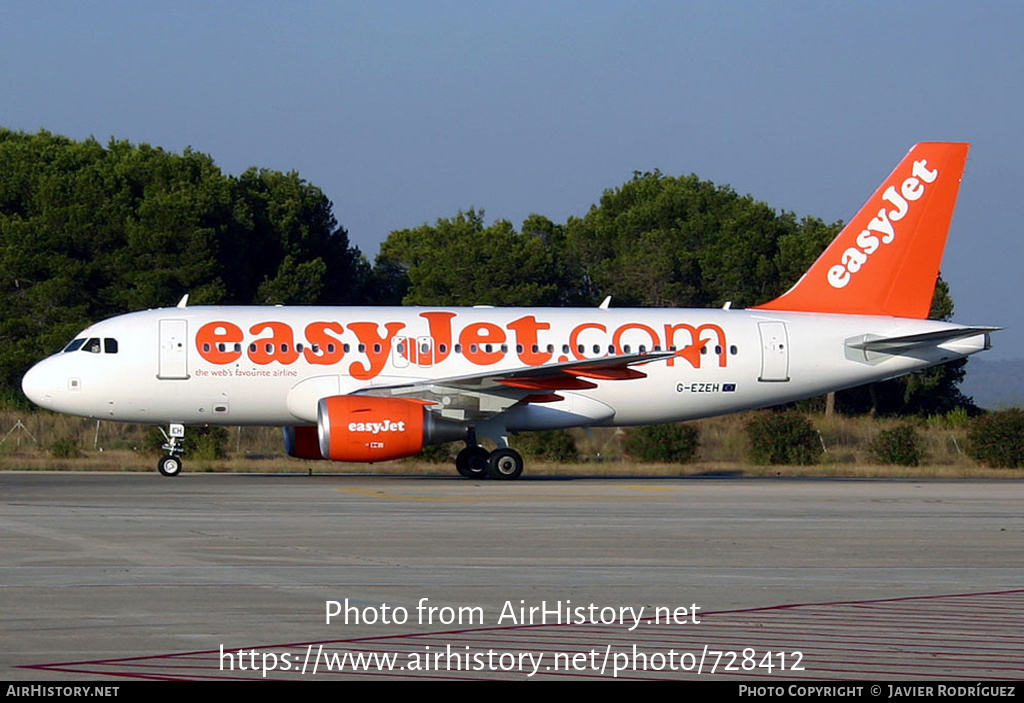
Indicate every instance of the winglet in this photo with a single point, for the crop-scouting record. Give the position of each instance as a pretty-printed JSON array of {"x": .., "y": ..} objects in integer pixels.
[{"x": 886, "y": 260}]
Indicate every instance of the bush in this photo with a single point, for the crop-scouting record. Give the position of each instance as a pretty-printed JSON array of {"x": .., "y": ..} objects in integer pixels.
[
  {"x": 551, "y": 445},
  {"x": 783, "y": 438},
  {"x": 65, "y": 448},
  {"x": 997, "y": 439},
  {"x": 436, "y": 453},
  {"x": 900, "y": 445},
  {"x": 674, "y": 444}
]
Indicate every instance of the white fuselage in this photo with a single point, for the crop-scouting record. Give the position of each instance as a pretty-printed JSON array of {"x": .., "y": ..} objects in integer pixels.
[{"x": 271, "y": 365}]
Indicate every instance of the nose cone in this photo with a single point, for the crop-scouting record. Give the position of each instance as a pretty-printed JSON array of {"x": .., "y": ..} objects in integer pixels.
[{"x": 37, "y": 385}]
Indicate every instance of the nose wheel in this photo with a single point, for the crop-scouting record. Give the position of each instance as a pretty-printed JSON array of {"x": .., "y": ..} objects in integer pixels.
[{"x": 170, "y": 464}]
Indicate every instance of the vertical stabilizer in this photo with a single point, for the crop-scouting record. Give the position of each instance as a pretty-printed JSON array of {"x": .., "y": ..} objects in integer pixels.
[{"x": 886, "y": 260}]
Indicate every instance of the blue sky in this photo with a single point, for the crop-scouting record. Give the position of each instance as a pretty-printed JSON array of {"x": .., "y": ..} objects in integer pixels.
[{"x": 403, "y": 112}]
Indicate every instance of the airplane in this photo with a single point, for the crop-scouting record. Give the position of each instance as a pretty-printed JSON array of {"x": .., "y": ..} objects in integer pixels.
[{"x": 363, "y": 384}]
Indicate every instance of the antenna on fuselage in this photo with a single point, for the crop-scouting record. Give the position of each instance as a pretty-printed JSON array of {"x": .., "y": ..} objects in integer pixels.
[
  {"x": 606, "y": 302},
  {"x": 183, "y": 303}
]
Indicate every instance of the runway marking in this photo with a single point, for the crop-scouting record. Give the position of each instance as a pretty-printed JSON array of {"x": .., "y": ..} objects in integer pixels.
[{"x": 974, "y": 636}]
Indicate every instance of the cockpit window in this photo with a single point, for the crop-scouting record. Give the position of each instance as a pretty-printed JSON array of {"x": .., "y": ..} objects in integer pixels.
[
  {"x": 92, "y": 346},
  {"x": 109, "y": 345},
  {"x": 75, "y": 345}
]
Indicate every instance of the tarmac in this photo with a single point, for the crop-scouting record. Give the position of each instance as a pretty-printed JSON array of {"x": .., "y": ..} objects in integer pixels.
[{"x": 209, "y": 576}]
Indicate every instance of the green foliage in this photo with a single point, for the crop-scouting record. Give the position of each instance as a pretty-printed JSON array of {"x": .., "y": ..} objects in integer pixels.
[
  {"x": 437, "y": 453},
  {"x": 957, "y": 417},
  {"x": 550, "y": 445},
  {"x": 459, "y": 261},
  {"x": 899, "y": 445},
  {"x": 88, "y": 232},
  {"x": 997, "y": 439},
  {"x": 676, "y": 443},
  {"x": 682, "y": 242},
  {"x": 65, "y": 448},
  {"x": 783, "y": 438}
]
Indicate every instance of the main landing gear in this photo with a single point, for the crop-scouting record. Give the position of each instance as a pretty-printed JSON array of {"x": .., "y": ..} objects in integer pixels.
[
  {"x": 504, "y": 463},
  {"x": 170, "y": 464}
]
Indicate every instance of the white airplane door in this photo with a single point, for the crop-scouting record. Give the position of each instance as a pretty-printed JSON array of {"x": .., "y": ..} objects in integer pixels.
[
  {"x": 173, "y": 350},
  {"x": 774, "y": 351}
]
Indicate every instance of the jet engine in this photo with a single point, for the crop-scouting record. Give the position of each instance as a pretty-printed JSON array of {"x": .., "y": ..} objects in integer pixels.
[{"x": 366, "y": 428}]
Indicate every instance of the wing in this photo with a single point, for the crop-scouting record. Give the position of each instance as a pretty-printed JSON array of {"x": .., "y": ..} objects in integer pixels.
[{"x": 483, "y": 395}]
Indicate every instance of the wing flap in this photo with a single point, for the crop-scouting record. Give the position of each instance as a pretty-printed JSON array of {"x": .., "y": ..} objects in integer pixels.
[{"x": 486, "y": 394}]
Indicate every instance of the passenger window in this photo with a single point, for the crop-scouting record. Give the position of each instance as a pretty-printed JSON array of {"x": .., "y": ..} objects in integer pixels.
[{"x": 109, "y": 346}]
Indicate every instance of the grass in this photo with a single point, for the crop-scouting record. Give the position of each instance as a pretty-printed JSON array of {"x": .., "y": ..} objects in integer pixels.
[{"x": 45, "y": 441}]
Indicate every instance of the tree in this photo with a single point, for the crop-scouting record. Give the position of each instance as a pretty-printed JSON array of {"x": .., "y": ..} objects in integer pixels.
[
  {"x": 461, "y": 261},
  {"x": 88, "y": 231}
]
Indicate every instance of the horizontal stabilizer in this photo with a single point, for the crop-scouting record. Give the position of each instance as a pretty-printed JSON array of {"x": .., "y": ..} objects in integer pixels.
[{"x": 891, "y": 345}]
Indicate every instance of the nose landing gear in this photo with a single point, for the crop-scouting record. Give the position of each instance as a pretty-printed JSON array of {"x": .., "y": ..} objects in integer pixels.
[{"x": 170, "y": 464}]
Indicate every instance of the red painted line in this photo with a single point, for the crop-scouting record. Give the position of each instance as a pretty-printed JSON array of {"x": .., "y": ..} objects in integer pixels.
[{"x": 833, "y": 642}]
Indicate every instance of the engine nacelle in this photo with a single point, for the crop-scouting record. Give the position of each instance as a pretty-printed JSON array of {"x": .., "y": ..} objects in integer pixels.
[
  {"x": 367, "y": 428},
  {"x": 302, "y": 442}
]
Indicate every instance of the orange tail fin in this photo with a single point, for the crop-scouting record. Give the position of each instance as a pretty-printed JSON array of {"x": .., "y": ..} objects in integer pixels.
[{"x": 886, "y": 260}]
